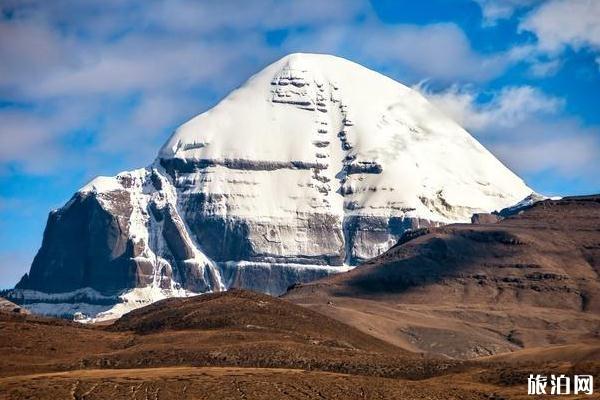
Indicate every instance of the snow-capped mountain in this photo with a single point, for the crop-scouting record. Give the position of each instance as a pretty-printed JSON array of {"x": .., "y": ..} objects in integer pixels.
[{"x": 313, "y": 165}]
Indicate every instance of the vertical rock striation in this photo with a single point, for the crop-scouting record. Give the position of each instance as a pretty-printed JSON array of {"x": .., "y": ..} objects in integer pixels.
[{"x": 312, "y": 166}]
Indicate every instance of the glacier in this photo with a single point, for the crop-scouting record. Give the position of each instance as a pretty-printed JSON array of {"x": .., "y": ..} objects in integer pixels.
[{"x": 312, "y": 166}]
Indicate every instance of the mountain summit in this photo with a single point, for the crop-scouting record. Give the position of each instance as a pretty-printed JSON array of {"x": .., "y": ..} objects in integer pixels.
[{"x": 312, "y": 166}]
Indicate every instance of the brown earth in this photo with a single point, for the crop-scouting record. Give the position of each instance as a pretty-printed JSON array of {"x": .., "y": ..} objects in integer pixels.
[
  {"x": 570, "y": 353},
  {"x": 220, "y": 383},
  {"x": 239, "y": 345},
  {"x": 520, "y": 295},
  {"x": 473, "y": 290},
  {"x": 208, "y": 330}
]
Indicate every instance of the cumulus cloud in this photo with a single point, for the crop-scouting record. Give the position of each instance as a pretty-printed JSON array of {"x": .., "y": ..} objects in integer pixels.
[
  {"x": 507, "y": 108},
  {"x": 523, "y": 126},
  {"x": 98, "y": 47},
  {"x": 211, "y": 16},
  {"x": 130, "y": 73},
  {"x": 33, "y": 138},
  {"x": 71, "y": 66},
  {"x": 438, "y": 50},
  {"x": 145, "y": 68},
  {"x": 558, "y": 24}
]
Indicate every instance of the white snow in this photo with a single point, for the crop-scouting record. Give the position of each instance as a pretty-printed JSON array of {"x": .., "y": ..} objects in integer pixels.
[
  {"x": 101, "y": 184},
  {"x": 85, "y": 302},
  {"x": 529, "y": 201},
  {"x": 136, "y": 298},
  {"x": 306, "y": 122},
  {"x": 68, "y": 309},
  {"x": 83, "y": 293},
  {"x": 280, "y": 114}
]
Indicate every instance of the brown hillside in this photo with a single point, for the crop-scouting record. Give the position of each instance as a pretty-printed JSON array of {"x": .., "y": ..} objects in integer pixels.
[
  {"x": 237, "y": 345},
  {"x": 469, "y": 290}
]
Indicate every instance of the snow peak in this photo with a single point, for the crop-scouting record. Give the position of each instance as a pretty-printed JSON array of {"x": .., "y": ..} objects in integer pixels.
[{"x": 560, "y": 384}]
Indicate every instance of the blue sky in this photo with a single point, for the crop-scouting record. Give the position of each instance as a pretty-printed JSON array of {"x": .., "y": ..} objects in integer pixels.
[{"x": 95, "y": 87}]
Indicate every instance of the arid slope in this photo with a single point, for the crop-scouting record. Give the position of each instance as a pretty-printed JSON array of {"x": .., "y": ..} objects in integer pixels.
[
  {"x": 470, "y": 290},
  {"x": 237, "y": 345}
]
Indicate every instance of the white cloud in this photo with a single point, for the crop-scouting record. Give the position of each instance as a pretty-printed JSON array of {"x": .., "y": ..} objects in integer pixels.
[
  {"x": 542, "y": 69},
  {"x": 495, "y": 10},
  {"x": 106, "y": 47},
  {"x": 210, "y": 16},
  {"x": 57, "y": 55},
  {"x": 438, "y": 51},
  {"x": 556, "y": 24},
  {"x": 158, "y": 110},
  {"x": 72, "y": 67},
  {"x": 165, "y": 51},
  {"x": 523, "y": 127},
  {"x": 143, "y": 129},
  {"x": 28, "y": 51},
  {"x": 565, "y": 23},
  {"x": 508, "y": 108},
  {"x": 563, "y": 147},
  {"x": 33, "y": 139}
]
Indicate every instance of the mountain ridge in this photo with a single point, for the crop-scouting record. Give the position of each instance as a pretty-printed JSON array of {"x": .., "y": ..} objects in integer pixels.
[
  {"x": 471, "y": 290},
  {"x": 313, "y": 166}
]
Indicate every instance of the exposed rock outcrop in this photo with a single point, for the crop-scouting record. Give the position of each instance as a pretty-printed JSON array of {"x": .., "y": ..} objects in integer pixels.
[
  {"x": 313, "y": 166},
  {"x": 470, "y": 290}
]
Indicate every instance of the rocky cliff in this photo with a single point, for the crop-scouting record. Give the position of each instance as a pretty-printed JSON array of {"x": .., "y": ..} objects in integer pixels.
[{"x": 311, "y": 167}]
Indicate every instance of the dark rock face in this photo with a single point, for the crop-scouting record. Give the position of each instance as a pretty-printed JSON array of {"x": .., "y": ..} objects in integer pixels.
[
  {"x": 176, "y": 166},
  {"x": 270, "y": 278},
  {"x": 466, "y": 290},
  {"x": 370, "y": 236},
  {"x": 179, "y": 251},
  {"x": 221, "y": 238},
  {"x": 88, "y": 242},
  {"x": 363, "y": 167},
  {"x": 227, "y": 238},
  {"x": 314, "y": 175},
  {"x": 153, "y": 228},
  {"x": 87, "y": 245}
]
